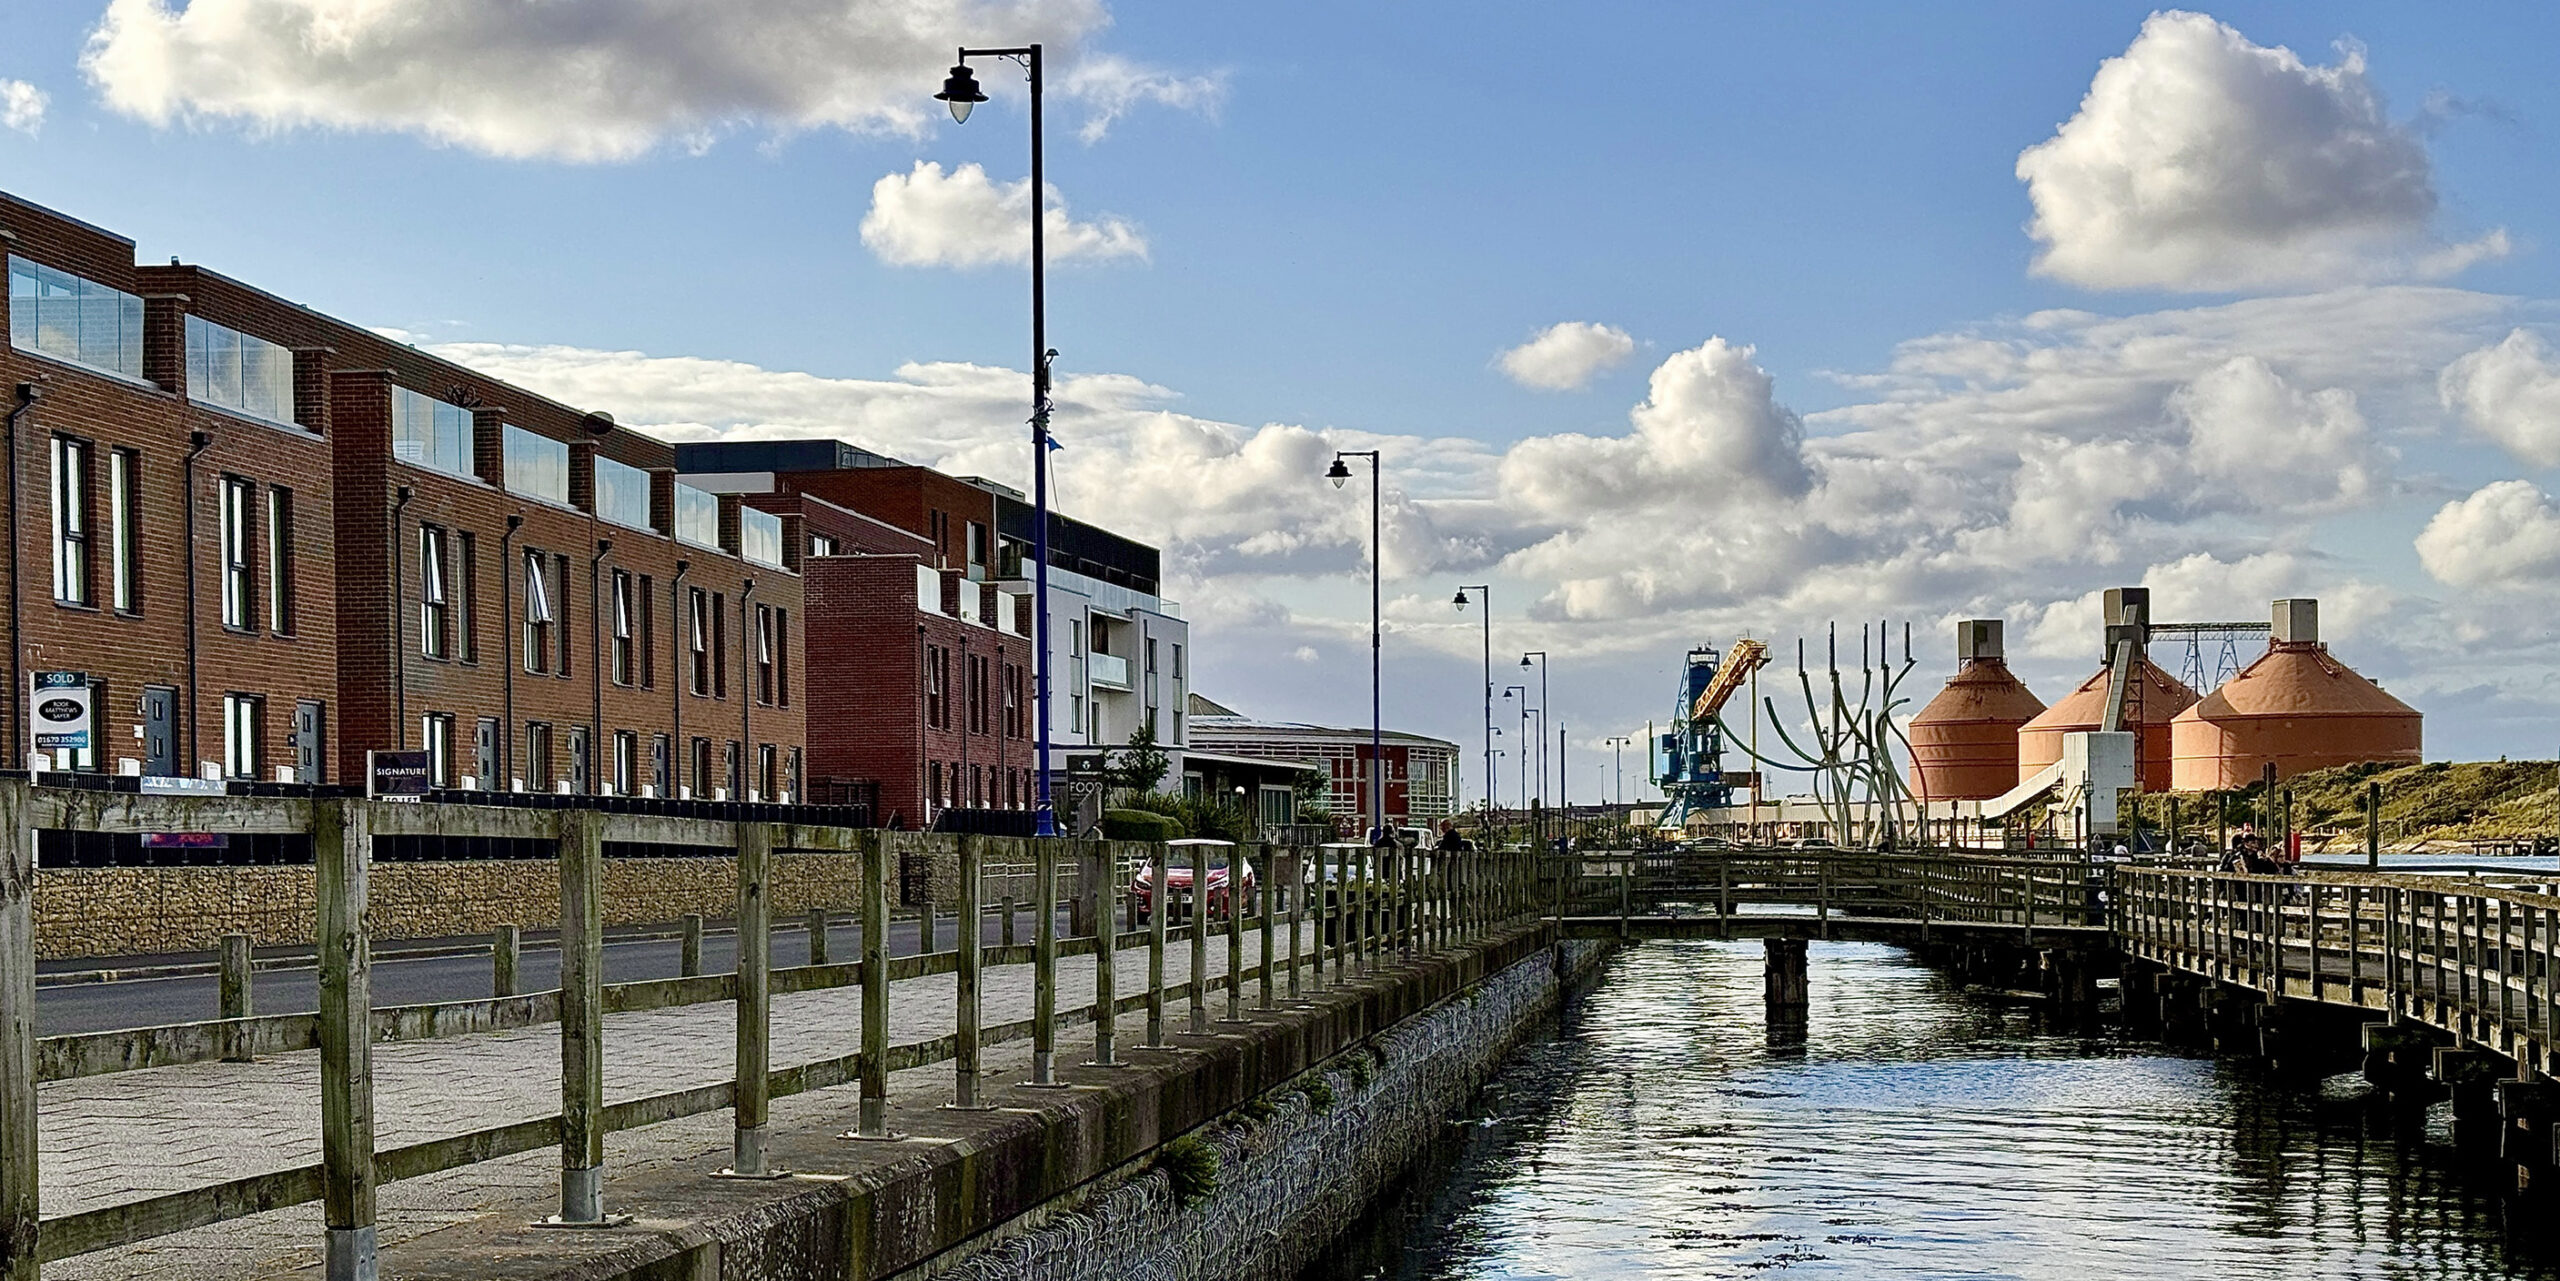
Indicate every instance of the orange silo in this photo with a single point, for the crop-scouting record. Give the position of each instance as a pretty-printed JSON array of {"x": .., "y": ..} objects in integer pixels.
[
  {"x": 2156, "y": 698},
  {"x": 2296, "y": 708},
  {"x": 1964, "y": 744}
]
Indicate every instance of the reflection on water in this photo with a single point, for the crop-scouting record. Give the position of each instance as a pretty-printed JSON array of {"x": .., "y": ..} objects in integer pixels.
[{"x": 1917, "y": 1132}]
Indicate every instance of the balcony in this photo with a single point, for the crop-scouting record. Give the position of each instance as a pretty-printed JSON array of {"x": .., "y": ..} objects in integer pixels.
[{"x": 1109, "y": 671}]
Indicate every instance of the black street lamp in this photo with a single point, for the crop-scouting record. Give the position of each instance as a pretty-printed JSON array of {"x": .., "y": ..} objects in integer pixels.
[
  {"x": 1340, "y": 473},
  {"x": 961, "y": 93},
  {"x": 1461, "y": 602},
  {"x": 1618, "y": 764},
  {"x": 1527, "y": 744}
]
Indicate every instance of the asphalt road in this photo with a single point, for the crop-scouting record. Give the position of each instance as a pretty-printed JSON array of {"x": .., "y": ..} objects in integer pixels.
[{"x": 98, "y": 1007}]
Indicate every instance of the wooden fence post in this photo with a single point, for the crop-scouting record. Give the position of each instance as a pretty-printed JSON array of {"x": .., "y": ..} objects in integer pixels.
[
  {"x": 689, "y": 951},
  {"x": 1106, "y": 952},
  {"x": 1010, "y": 912},
  {"x": 1156, "y": 915},
  {"x": 1297, "y": 910},
  {"x": 1262, "y": 901},
  {"x": 342, "y": 855},
  {"x": 1235, "y": 929},
  {"x": 818, "y": 927},
  {"x": 925, "y": 940},
  {"x": 755, "y": 999},
  {"x": 18, "y": 1039},
  {"x": 236, "y": 999},
  {"x": 1044, "y": 964},
  {"x": 1199, "y": 922},
  {"x": 582, "y": 1020},
  {"x": 965, "y": 1051},
  {"x": 872, "y": 1117},
  {"x": 506, "y": 960}
]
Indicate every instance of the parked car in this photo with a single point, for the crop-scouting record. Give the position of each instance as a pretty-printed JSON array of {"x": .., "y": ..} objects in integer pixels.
[{"x": 1218, "y": 858}]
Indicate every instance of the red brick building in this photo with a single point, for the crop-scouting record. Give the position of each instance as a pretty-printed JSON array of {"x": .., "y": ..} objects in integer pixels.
[
  {"x": 923, "y": 673},
  {"x": 275, "y": 541}
]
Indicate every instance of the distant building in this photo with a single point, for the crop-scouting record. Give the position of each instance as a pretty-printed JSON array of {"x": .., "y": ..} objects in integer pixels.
[{"x": 1421, "y": 772}]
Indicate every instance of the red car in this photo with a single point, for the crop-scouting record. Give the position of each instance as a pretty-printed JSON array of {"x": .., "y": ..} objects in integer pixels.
[{"x": 1214, "y": 856}]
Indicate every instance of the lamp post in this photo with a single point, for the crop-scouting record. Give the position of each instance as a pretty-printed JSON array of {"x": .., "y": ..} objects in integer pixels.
[
  {"x": 1461, "y": 603},
  {"x": 1340, "y": 473},
  {"x": 1521, "y": 771},
  {"x": 1543, "y": 705},
  {"x": 960, "y": 91},
  {"x": 1618, "y": 764}
]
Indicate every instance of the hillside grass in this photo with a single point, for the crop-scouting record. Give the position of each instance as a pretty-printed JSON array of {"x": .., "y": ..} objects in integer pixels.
[{"x": 2436, "y": 805}]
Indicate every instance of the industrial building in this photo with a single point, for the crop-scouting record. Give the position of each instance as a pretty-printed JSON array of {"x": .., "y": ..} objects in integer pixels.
[
  {"x": 1421, "y": 772},
  {"x": 1964, "y": 744},
  {"x": 2297, "y": 708}
]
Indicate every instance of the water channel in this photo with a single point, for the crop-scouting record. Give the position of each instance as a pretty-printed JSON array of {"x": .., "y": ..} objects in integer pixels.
[{"x": 1918, "y": 1131}]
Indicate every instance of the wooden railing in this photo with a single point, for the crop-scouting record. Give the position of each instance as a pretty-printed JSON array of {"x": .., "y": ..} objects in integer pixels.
[
  {"x": 1831, "y": 883},
  {"x": 1310, "y": 907},
  {"x": 2475, "y": 957}
]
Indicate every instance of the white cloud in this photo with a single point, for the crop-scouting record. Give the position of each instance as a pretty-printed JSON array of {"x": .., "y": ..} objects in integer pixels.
[
  {"x": 2201, "y": 161},
  {"x": 2505, "y": 535},
  {"x": 929, "y": 218},
  {"x": 1567, "y": 355},
  {"x": 22, "y": 107},
  {"x": 2250, "y": 433},
  {"x": 2509, "y": 393},
  {"x": 588, "y": 80}
]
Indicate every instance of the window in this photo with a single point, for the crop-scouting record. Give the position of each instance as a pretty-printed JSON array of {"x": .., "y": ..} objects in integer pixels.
[
  {"x": 701, "y": 769},
  {"x": 124, "y": 510},
  {"x": 240, "y": 716},
  {"x": 648, "y": 632},
  {"x": 626, "y": 763},
  {"x": 438, "y": 731},
  {"x": 1012, "y": 701},
  {"x": 733, "y": 763},
  {"x": 1075, "y": 637},
  {"x": 719, "y": 645},
  {"x": 71, "y": 582},
  {"x": 231, "y": 370},
  {"x": 625, "y": 656},
  {"x": 434, "y": 601},
  {"x": 977, "y": 545},
  {"x": 697, "y": 516},
  {"x": 782, "y": 657},
  {"x": 430, "y": 433},
  {"x": 823, "y": 545},
  {"x": 1177, "y": 660},
  {"x": 698, "y": 640},
  {"x": 69, "y": 318},
  {"x": 560, "y": 605},
  {"x": 239, "y": 502},
  {"x": 1151, "y": 656},
  {"x": 538, "y": 616},
  {"x": 977, "y": 694},
  {"x": 622, "y": 493},
  {"x": 764, "y": 654},
  {"x": 537, "y": 756},
  {"x": 535, "y": 465},
  {"x": 279, "y": 560},
  {"x": 768, "y": 773},
  {"x": 760, "y": 536},
  {"x": 466, "y": 601},
  {"x": 936, "y": 710}
]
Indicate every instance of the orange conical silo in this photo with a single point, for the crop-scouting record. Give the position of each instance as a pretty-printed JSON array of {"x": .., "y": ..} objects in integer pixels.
[
  {"x": 2161, "y": 697},
  {"x": 1964, "y": 744},
  {"x": 2296, "y": 708}
]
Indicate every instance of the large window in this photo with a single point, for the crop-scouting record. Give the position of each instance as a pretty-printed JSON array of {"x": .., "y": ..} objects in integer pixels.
[
  {"x": 537, "y": 756},
  {"x": 626, "y": 762},
  {"x": 239, "y": 514},
  {"x": 759, "y": 536},
  {"x": 430, "y": 433},
  {"x": 72, "y": 584},
  {"x": 823, "y": 545},
  {"x": 697, "y": 516},
  {"x": 68, "y": 318},
  {"x": 466, "y": 602},
  {"x": 539, "y": 617},
  {"x": 782, "y": 657},
  {"x": 764, "y": 654},
  {"x": 625, "y": 657},
  {"x": 437, "y": 730},
  {"x": 241, "y": 714},
  {"x": 124, "y": 514},
  {"x": 648, "y": 632},
  {"x": 536, "y": 465},
  {"x": 937, "y": 678},
  {"x": 279, "y": 560},
  {"x": 435, "y": 599},
  {"x": 234, "y": 371},
  {"x": 622, "y": 493},
  {"x": 697, "y": 640}
]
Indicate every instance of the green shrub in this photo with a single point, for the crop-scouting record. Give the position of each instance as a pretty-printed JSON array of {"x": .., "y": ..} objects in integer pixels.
[
  {"x": 1139, "y": 825},
  {"x": 1190, "y": 1165},
  {"x": 1319, "y": 1095}
]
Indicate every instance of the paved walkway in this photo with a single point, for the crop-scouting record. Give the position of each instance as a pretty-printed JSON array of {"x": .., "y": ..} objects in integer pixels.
[{"x": 130, "y": 1135}]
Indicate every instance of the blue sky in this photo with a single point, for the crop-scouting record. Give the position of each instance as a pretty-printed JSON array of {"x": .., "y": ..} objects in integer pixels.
[{"x": 1350, "y": 210}]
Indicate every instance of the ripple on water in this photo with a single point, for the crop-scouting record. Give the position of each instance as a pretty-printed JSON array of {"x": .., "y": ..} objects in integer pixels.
[{"x": 1916, "y": 1131}]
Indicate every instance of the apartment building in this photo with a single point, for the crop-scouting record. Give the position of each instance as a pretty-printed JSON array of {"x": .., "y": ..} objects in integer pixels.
[
  {"x": 1421, "y": 773},
  {"x": 274, "y": 541}
]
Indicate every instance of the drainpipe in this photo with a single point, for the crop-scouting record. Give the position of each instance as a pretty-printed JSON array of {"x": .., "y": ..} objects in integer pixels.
[
  {"x": 924, "y": 732},
  {"x": 399, "y": 625},
  {"x": 968, "y": 707},
  {"x": 507, "y": 653},
  {"x": 197, "y": 443},
  {"x": 28, "y": 395},
  {"x": 595, "y": 664},
  {"x": 678, "y": 623},
  {"x": 746, "y": 690}
]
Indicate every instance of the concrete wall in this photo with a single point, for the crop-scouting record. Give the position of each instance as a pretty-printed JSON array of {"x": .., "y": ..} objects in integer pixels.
[{"x": 1289, "y": 1183}]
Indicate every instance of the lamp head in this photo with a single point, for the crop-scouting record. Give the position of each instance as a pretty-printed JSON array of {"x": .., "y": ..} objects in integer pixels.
[
  {"x": 960, "y": 91},
  {"x": 1340, "y": 474},
  {"x": 1461, "y": 601},
  {"x": 1524, "y": 661}
]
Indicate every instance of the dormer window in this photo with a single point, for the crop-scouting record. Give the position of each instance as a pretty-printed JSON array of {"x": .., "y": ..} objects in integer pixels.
[
  {"x": 231, "y": 370},
  {"x": 71, "y": 318}
]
